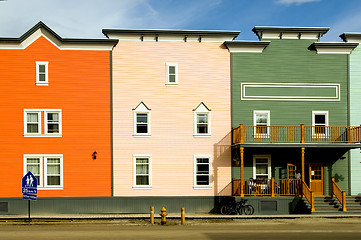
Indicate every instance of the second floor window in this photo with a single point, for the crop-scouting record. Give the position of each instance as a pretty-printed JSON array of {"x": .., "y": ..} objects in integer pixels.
[
  {"x": 319, "y": 123},
  {"x": 261, "y": 120},
  {"x": 33, "y": 126},
  {"x": 141, "y": 120},
  {"x": 42, "y": 73},
  {"x": 172, "y": 73},
  {"x": 202, "y": 120}
]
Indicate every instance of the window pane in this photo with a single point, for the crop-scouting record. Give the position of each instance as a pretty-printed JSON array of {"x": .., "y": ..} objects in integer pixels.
[
  {"x": 202, "y": 128},
  {"x": 32, "y": 128},
  {"x": 53, "y": 180},
  {"x": 202, "y": 160},
  {"x": 261, "y": 160},
  {"x": 34, "y": 169},
  {"x": 261, "y": 119},
  {"x": 33, "y": 160},
  {"x": 42, "y": 68},
  {"x": 53, "y": 117},
  {"x": 32, "y": 117},
  {"x": 172, "y": 70},
  {"x": 261, "y": 129},
  {"x": 172, "y": 78},
  {"x": 202, "y": 180},
  {"x": 141, "y": 128},
  {"x": 142, "y": 169},
  {"x": 142, "y": 118},
  {"x": 320, "y": 119},
  {"x": 142, "y": 160},
  {"x": 261, "y": 169},
  {"x": 142, "y": 180},
  {"x": 53, "y": 169},
  {"x": 202, "y": 118},
  {"x": 42, "y": 77},
  {"x": 320, "y": 130},
  {"x": 53, "y": 128},
  {"x": 202, "y": 169}
]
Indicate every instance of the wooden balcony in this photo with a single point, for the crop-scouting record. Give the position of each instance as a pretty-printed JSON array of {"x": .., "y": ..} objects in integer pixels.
[{"x": 296, "y": 134}]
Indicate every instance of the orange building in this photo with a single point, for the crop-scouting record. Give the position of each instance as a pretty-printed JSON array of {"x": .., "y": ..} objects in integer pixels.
[{"x": 55, "y": 114}]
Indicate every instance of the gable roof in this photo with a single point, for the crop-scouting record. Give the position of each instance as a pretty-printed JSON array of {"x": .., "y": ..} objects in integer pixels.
[{"x": 41, "y": 29}]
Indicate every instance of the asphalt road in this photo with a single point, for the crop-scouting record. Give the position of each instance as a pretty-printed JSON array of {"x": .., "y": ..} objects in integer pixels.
[{"x": 315, "y": 228}]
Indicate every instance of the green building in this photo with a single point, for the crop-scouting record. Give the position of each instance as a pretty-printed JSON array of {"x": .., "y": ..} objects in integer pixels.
[{"x": 290, "y": 116}]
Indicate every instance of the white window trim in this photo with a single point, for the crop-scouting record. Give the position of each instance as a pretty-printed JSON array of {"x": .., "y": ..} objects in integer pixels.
[
  {"x": 26, "y": 111},
  {"x": 42, "y": 113},
  {"x": 142, "y": 108},
  {"x": 43, "y": 167},
  {"x": 269, "y": 165},
  {"x": 38, "y": 82},
  {"x": 209, "y": 186},
  {"x": 201, "y": 109},
  {"x": 135, "y": 156},
  {"x": 319, "y": 135},
  {"x": 258, "y": 135},
  {"x": 167, "y": 74}
]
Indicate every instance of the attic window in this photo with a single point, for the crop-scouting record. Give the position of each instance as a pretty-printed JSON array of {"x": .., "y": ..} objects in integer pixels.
[{"x": 42, "y": 74}]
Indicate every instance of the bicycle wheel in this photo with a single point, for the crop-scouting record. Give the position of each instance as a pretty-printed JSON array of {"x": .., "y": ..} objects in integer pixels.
[
  {"x": 248, "y": 210},
  {"x": 225, "y": 210}
]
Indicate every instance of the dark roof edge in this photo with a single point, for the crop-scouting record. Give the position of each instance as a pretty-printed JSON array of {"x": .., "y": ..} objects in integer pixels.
[
  {"x": 246, "y": 43},
  {"x": 67, "y": 40},
  {"x": 344, "y": 36},
  {"x": 335, "y": 44},
  {"x": 291, "y": 29},
  {"x": 172, "y": 32}
]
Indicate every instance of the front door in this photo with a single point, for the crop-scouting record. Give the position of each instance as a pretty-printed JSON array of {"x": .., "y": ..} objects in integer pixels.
[{"x": 316, "y": 178}]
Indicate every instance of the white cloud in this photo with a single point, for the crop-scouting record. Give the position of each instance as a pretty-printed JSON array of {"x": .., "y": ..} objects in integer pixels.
[{"x": 297, "y": 2}]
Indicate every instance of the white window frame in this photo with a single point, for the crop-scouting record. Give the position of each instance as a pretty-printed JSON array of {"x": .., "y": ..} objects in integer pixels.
[
  {"x": 43, "y": 169},
  {"x": 175, "y": 65},
  {"x": 38, "y": 82},
  {"x": 42, "y": 113},
  {"x": 135, "y": 156},
  {"x": 261, "y": 135},
  {"x": 319, "y": 135},
  {"x": 202, "y": 109},
  {"x": 269, "y": 168},
  {"x": 26, "y": 111},
  {"x": 210, "y": 167},
  {"x": 142, "y": 109}
]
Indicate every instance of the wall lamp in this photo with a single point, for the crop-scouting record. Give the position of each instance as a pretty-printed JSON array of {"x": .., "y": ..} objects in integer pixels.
[{"x": 94, "y": 155}]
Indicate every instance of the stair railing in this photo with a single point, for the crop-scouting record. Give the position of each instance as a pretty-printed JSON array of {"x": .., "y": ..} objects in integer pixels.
[
  {"x": 308, "y": 194},
  {"x": 339, "y": 194}
]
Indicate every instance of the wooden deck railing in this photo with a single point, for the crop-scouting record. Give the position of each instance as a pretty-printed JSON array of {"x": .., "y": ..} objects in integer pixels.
[
  {"x": 339, "y": 194},
  {"x": 296, "y": 134},
  {"x": 308, "y": 195},
  {"x": 267, "y": 187}
]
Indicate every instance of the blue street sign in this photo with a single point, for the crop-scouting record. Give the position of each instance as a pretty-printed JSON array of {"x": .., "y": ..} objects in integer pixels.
[{"x": 29, "y": 185}]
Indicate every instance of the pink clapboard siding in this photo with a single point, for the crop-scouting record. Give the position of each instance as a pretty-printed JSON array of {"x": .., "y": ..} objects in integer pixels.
[{"x": 139, "y": 75}]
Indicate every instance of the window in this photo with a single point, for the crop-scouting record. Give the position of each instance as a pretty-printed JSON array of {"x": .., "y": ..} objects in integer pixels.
[
  {"x": 202, "y": 171},
  {"x": 142, "y": 171},
  {"x": 33, "y": 122},
  {"x": 48, "y": 170},
  {"x": 141, "y": 120},
  {"x": 261, "y": 122},
  {"x": 202, "y": 117},
  {"x": 319, "y": 123},
  {"x": 261, "y": 167},
  {"x": 42, "y": 73},
  {"x": 172, "y": 73}
]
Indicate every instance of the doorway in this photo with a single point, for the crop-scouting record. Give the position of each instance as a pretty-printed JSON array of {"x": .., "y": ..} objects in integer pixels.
[{"x": 316, "y": 178}]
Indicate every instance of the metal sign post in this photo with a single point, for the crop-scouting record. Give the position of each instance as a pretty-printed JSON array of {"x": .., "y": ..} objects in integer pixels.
[{"x": 29, "y": 185}]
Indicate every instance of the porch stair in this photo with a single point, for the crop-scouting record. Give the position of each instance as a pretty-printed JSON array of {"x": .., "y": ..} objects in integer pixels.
[{"x": 330, "y": 205}]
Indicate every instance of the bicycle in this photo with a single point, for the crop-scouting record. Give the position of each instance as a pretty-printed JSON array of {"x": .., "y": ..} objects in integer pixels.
[{"x": 235, "y": 207}]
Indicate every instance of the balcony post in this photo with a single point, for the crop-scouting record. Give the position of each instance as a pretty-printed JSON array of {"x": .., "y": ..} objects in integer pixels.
[
  {"x": 302, "y": 133},
  {"x": 303, "y": 164},
  {"x": 241, "y": 133},
  {"x": 241, "y": 149},
  {"x": 272, "y": 187}
]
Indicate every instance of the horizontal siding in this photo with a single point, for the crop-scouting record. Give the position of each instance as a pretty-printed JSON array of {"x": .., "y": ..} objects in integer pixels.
[
  {"x": 79, "y": 84},
  {"x": 140, "y": 75}
]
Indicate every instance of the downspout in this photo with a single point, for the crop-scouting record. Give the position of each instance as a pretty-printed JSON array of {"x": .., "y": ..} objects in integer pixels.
[
  {"x": 111, "y": 126},
  {"x": 348, "y": 121}
]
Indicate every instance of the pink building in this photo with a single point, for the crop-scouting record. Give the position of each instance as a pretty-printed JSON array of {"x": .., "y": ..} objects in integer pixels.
[{"x": 171, "y": 114}]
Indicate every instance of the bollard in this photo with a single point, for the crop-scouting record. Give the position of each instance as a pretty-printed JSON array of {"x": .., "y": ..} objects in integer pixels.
[
  {"x": 163, "y": 214},
  {"x": 183, "y": 216},
  {"x": 152, "y": 215}
]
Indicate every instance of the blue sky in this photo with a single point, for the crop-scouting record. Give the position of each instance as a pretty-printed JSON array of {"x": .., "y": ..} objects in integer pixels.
[{"x": 86, "y": 18}]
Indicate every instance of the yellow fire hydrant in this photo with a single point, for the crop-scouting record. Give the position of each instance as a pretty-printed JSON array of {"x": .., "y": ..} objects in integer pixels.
[{"x": 163, "y": 214}]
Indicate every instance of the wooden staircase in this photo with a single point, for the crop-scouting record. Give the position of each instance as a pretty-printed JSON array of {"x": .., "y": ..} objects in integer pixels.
[{"x": 326, "y": 205}]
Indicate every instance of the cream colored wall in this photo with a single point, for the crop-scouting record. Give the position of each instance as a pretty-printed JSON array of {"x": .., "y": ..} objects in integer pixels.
[{"x": 139, "y": 74}]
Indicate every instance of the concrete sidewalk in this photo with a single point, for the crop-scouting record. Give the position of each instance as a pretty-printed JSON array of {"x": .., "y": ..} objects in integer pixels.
[{"x": 82, "y": 217}]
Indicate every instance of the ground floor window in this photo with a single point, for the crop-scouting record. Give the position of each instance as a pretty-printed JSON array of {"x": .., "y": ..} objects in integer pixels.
[
  {"x": 261, "y": 167},
  {"x": 48, "y": 169},
  {"x": 142, "y": 171},
  {"x": 202, "y": 171}
]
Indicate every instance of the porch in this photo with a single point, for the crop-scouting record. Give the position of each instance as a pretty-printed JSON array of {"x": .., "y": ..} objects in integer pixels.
[{"x": 327, "y": 142}]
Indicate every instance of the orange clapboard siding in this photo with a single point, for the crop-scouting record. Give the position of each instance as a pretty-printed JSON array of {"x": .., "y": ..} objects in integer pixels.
[{"x": 79, "y": 85}]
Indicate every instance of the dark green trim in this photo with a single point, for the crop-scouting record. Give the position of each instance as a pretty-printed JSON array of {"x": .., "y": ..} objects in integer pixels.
[
  {"x": 320, "y": 30},
  {"x": 67, "y": 40},
  {"x": 338, "y": 44},
  {"x": 111, "y": 126},
  {"x": 246, "y": 43},
  {"x": 172, "y": 32},
  {"x": 348, "y": 121},
  {"x": 344, "y": 36},
  {"x": 299, "y": 145}
]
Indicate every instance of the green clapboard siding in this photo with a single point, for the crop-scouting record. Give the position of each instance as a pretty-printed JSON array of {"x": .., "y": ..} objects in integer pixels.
[{"x": 292, "y": 62}]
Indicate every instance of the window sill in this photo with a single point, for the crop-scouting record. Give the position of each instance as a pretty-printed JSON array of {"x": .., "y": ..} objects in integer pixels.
[
  {"x": 202, "y": 135},
  {"x": 43, "y": 135},
  {"x": 202, "y": 187},
  {"x": 42, "y": 84},
  {"x": 171, "y": 84},
  {"x": 50, "y": 188},
  {"x": 142, "y": 187},
  {"x": 140, "y": 135}
]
